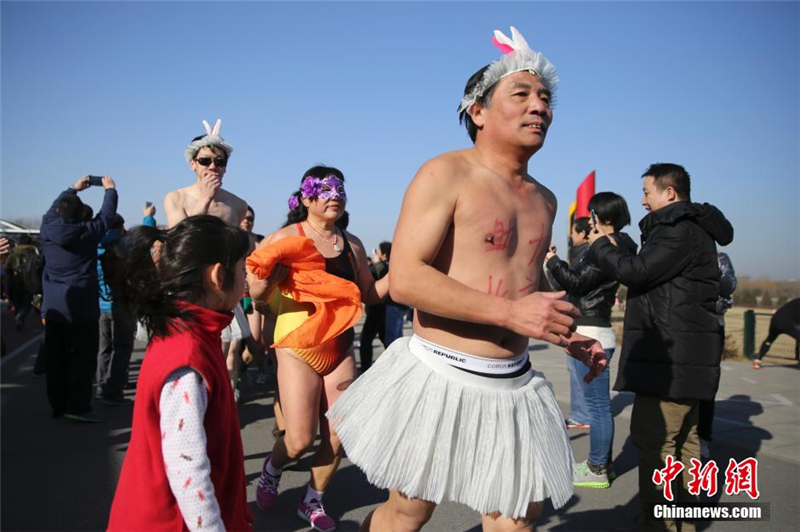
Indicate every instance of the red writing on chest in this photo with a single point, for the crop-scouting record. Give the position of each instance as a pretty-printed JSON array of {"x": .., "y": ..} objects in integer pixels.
[
  {"x": 498, "y": 290},
  {"x": 537, "y": 242},
  {"x": 500, "y": 237}
]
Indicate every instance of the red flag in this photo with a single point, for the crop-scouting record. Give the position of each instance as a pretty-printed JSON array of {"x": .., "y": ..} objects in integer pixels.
[{"x": 583, "y": 195}]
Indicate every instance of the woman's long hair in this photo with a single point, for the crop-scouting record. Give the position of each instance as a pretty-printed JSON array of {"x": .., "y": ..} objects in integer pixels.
[{"x": 152, "y": 291}]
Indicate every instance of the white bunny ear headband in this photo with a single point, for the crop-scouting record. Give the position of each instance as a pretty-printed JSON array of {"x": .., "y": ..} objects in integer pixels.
[
  {"x": 518, "y": 57},
  {"x": 211, "y": 138}
]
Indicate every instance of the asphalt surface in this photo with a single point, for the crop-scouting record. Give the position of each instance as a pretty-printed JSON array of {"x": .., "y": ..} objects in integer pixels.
[{"x": 59, "y": 475}]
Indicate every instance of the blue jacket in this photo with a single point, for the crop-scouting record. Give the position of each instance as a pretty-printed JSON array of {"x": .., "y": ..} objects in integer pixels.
[
  {"x": 70, "y": 273},
  {"x": 106, "y": 302}
]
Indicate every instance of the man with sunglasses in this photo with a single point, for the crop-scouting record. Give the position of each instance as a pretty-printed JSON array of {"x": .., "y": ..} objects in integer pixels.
[{"x": 207, "y": 156}]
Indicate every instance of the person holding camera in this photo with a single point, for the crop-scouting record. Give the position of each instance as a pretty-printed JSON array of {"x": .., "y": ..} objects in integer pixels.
[{"x": 69, "y": 236}]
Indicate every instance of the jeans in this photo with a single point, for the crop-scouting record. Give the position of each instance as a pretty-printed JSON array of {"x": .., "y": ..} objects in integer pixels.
[
  {"x": 395, "y": 316},
  {"x": 117, "y": 331},
  {"x": 577, "y": 401},
  {"x": 598, "y": 403}
]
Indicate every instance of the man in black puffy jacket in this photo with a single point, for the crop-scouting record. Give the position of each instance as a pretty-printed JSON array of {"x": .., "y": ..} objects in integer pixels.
[{"x": 672, "y": 343}]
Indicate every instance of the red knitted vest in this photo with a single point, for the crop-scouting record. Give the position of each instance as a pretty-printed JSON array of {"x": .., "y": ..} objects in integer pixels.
[{"x": 143, "y": 500}]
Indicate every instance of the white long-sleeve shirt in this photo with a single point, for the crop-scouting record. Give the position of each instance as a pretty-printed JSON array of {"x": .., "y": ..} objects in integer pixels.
[{"x": 183, "y": 404}]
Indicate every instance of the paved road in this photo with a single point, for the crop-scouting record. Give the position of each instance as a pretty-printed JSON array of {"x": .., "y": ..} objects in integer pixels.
[{"x": 57, "y": 475}]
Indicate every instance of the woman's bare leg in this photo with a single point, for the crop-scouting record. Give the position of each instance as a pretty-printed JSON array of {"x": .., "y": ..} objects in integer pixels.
[
  {"x": 301, "y": 390},
  {"x": 328, "y": 455}
]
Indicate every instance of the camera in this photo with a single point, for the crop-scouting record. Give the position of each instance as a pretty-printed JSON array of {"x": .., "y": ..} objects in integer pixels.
[{"x": 95, "y": 181}]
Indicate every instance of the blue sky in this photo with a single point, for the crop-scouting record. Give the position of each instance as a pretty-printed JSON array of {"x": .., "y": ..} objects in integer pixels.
[{"x": 120, "y": 88}]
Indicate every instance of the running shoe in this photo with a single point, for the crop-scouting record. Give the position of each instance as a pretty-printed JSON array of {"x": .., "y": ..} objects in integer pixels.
[
  {"x": 313, "y": 512},
  {"x": 88, "y": 417},
  {"x": 115, "y": 400},
  {"x": 756, "y": 364},
  {"x": 584, "y": 477},
  {"x": 267, "y": 490},
  {"x": 572, "y": 424}
]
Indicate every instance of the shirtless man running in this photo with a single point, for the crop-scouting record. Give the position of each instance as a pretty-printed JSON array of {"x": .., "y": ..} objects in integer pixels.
[
  {"x": 455, "y": 412},
  {"x": 208, "y": 156}
]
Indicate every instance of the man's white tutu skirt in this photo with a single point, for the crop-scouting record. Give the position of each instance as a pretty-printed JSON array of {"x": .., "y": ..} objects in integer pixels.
[{"x": 417, "y": 425}]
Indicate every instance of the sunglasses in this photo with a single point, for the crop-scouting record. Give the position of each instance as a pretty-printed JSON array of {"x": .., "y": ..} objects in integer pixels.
[
  {"x": 249, "y": 218},
  {"x": 220, "y": 162}
]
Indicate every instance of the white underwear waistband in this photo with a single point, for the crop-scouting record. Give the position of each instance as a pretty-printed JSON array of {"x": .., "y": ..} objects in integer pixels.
[{"x": 465, "y": 361}]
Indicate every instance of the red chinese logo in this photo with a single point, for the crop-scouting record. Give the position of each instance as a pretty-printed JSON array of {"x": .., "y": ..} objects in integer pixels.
[
  {"x": 739, "y": 477},
  {"x": 742, "y": 476},
  {"x": 666, "y": 475},
  {"x": 704, "y": 479}
]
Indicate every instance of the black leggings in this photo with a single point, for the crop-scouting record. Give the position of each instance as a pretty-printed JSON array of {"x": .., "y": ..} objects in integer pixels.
[{"x": 774, "y": 332}]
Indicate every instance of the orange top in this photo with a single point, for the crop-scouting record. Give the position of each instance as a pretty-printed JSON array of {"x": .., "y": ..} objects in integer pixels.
[{"x": 337, "y": 301}]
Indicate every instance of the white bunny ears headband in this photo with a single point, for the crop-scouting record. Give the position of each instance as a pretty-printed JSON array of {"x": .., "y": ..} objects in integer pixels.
[
  {"x": 518, "y": 58},
  {"x": 211, "y": 138}
]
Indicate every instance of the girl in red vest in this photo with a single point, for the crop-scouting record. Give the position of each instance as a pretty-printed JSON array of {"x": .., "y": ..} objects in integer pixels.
[{"x": 184, "y": 469}]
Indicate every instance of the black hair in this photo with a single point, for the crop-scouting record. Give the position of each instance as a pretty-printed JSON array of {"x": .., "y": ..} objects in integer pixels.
[
  {"x": 386, "y": 249},
  {"x": 117, "y": 222},
  {"x": 671, "y": 175},
  {"x": 210, "y": 146},
  {"x": 301, "y": 213},
  {"x": 610, "y": 209},
  {"x": 153, "y": 291},
  {"x": 581, "y": 225},
  {"x": 69, "y": 206},
  {"x": 343, "y": 221},
  {"x": 484, "y": 100},
  {"x": 24, "y": 240},
  {"x": 249, "y": 208},
  {"x": 85, "y": 213}
]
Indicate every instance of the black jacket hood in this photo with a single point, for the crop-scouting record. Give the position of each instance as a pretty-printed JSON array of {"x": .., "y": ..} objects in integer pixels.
[{"x": 705, "y": 215}]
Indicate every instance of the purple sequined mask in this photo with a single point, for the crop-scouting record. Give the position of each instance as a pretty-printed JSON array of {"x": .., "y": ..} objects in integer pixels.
[{"x": 328, "y": 188}]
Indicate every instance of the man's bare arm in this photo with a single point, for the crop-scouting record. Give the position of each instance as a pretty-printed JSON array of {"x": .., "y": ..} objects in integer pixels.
[{"x": 425, "y": 218}]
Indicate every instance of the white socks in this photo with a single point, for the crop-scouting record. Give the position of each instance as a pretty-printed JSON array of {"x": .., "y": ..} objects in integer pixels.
[
  {"x": 313, "y": 494},
  {"x": 271, "y": 470}
]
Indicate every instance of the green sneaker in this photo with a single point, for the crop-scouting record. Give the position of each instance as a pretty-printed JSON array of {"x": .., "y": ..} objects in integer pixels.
[{"x": 585, "y": 478}]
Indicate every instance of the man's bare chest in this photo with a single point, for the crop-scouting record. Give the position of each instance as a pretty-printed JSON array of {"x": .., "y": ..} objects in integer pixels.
[
  {"x": 512, "y": 232},
  {"x": 221, "y": 207}
]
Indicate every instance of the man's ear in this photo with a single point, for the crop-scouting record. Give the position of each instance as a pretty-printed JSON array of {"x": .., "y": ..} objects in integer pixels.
[
  {"x": 671, "y": 195},
  {"x": 476, "y": 111}
]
